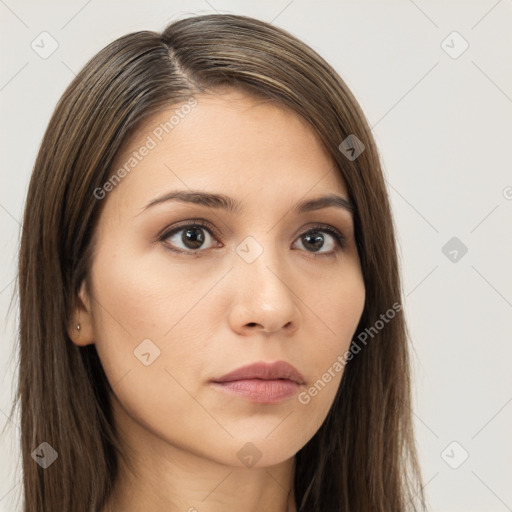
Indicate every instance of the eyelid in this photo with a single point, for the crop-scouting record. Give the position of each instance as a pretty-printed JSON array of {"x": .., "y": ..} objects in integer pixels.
[
  {"x": 168, "y": 231},
  {"x": 326, "y": 227},
  {"x": 336, "y": 233}
]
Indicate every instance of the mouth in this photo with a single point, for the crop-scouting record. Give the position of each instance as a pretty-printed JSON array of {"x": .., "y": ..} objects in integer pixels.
[{"x": 261, "y": 382}]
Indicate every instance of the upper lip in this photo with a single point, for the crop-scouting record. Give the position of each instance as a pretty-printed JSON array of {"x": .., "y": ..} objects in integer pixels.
[{"x": 265, "y": 371}]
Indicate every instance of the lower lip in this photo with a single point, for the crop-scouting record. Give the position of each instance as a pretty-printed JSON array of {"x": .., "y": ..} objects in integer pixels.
[{"x": 260, "y": 391}]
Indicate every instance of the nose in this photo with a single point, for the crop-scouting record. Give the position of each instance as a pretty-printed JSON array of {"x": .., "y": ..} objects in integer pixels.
[{"x": 263, "y": 298}]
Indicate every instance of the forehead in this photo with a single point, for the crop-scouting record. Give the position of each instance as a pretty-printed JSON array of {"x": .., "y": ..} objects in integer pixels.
[{"x": 227, "y": 140}]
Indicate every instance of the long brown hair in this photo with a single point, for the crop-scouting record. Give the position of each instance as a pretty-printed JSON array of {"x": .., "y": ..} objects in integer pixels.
[{"x": 363, "y": 457}]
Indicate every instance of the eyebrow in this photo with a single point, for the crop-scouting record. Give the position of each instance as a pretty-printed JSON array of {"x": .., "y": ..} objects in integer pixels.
[{"x": 222, "y": 201}]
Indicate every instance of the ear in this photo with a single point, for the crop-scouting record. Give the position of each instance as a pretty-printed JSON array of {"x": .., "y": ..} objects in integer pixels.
[{"x": 82, "y": 316}]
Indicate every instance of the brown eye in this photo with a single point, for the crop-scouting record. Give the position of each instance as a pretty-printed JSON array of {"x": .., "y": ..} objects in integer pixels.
[
  {"x": 188, "y": 238},
  {"x": 323, "y": 237},
  {"x": 313, "y": 240}
]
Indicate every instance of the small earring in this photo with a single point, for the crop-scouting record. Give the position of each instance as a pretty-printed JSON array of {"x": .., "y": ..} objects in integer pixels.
[{"x": 78, "y": 327}]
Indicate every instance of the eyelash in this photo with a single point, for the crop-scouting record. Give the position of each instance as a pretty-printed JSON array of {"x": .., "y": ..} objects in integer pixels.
[{"x": 335, "y": 233}]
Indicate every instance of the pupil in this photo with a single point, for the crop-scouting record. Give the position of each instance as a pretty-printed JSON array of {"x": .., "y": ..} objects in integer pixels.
[
  {"x": 315, "y": 240},
  {"x": 193, "y": 238}
]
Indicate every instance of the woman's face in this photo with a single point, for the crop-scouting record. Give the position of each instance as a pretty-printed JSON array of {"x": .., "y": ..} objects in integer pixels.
[{"x": 185, "y": 291}]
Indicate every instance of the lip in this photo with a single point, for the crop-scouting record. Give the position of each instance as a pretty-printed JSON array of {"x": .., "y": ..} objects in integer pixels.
[
  {"x": 261, "y": 382},
  {"x": 265, "y": 371}
]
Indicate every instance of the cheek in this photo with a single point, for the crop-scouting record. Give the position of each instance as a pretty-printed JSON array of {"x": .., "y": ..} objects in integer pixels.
[
  {"x": 338, "y": 307},
  {"x": 150, "y": 344},
  {"x": 127, "y": 309},
  {"x": 139, "y": 298},
  {"x": 135, "y": 298}
]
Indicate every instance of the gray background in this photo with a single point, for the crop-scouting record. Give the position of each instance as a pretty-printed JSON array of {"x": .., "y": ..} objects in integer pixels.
[{"x": 443, "y": 122}]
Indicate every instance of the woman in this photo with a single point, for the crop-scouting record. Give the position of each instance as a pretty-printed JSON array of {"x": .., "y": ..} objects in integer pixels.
[{"x": 210, "y": 301}]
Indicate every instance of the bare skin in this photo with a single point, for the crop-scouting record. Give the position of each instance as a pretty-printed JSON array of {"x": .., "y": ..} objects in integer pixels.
[{"x": 213, "y": 311}]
